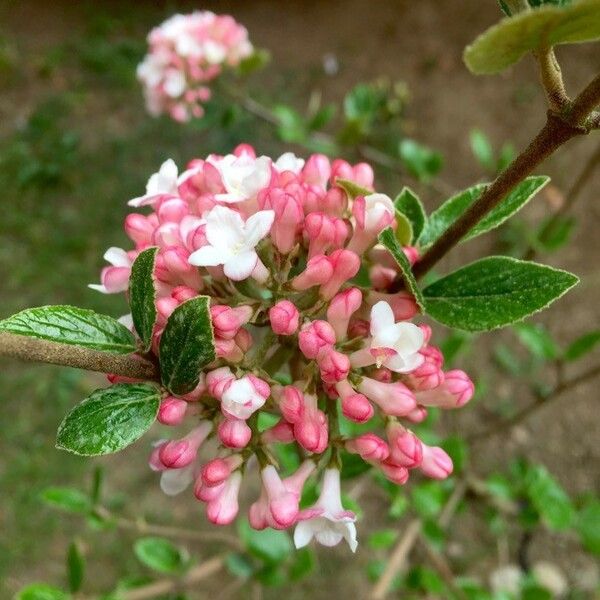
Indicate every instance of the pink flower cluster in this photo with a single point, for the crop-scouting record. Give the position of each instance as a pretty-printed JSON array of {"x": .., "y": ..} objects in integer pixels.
[
  {"x": 277, "y": 245},
  {"x": 186, "y": 52}
]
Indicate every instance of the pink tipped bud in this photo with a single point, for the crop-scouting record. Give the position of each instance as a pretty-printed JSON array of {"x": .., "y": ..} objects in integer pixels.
[
  {"x": 312, "y": 431},
  {"x": 218, "y": 381},
  {"x": 283, "y": 504},
  {"x": 369, "y": 447},
  {"x": 412, "y": 254},
  {"x": 165, "y": 306},
  {"x": 418, "y": 415},
  {"x": 115, "y": 279},
  {"x": 139, "y": 228},
  {"x": 224, "y": 509},
  {"x": 180, "y": 453},
  {"x": 427, "y": 331},
  {"x": 215, "y": 472},
  {"x": 227, "y": 321},
  {"x": 345, "y": 265},
  {"x": 317, "y": 170},
  {"x": 395, "y": 473},
  {"x": 316, "y": 337},
  {"x": 394, "y": 399},
  {"x": 154, "y": 461},
  {"x": 382, "y": 277},
  {"x": 246, "y": 149},
  {"x": 288, "y": 218},
  {"x": 291, "y": 404},
  {"x": 284, "y": 317},
  {"x": 319, "y": 269},
  {"x": 172, "y": 411},
  {"x": 426, "y": 377},
  {"x": 207, "y": 493},
  {"x": 456, "y": 390},
  {"x": 282, "y": 432},
  {"x": 341, "y": 308},
  {"x": 436, "y": 463},
  {"x": 243, "y": 339},
  {"x": 357, "y": 408},
  {"x": 433, "y": 355},
  {"x": 405, "y": 447},
  {"x": 234, "y": 433},
  {"x": 403, "y": 304},
  {"x": 334, "y": 202},
  {"x": 181, "y": 293},
  {"x": 172, "y": 210},
  {"x": 334, "y": 365}
]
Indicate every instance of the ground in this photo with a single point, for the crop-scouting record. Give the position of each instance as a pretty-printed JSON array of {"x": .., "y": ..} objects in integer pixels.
[{"x": 94, "y": 147}]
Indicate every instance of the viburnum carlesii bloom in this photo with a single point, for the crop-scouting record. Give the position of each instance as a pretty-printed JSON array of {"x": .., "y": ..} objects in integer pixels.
[
  {"x": 276, "y": 245},
  {"x": 185, "y": 53}
]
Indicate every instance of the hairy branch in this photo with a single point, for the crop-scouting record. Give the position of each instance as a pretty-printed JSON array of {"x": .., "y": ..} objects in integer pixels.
[
  {"x": 552, "y": 80},
  {"x": 34, "y": 349}
]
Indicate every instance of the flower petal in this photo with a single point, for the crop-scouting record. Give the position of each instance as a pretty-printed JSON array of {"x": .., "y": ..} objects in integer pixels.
[
  {"x": 224, "y": 228},
  {"x": 207, "y": 256},
  {"x": 175, "y": 481},
  {"x": 382, "y": 317},
  {"x": 410, "y": 338},
  {"x": 258, "y": 226},
  {"x": 240, "y": 266},
  {"x": 117, "y": 257},
  {"x": 303, "y": 534}
]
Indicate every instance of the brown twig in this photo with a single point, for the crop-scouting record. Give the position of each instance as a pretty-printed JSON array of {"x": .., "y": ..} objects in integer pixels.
[
  {"x": 38, "y": 350},
  {"x": 552, "y": 80}
]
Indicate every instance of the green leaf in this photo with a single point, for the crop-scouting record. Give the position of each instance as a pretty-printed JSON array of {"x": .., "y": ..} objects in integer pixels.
[
  {"x": 451, "y": 210},
  {"x": 549, "y": 498},
  {"x": 421, "y": 162},
  {"x": 537, "y": 340},
  {"x": 303, "y": 565},
  {"x": 409, "y": 204},
  {"x": 494, "y": 292},
  {"x": 554, "y": 233},
  {"x": 75, "y": 567},
  {"x": 256, "y": 61},
  {"x": 403, "y": 231},
  {"x": 582, "y": 345},
  {"x": 352, "y": 189},
  {"x": 514, "y": 202},
  {"x": 161, "y": 555},
  {"x": 292, "y": 127},
  {"x": 109, "y": 419},
  {"x": 509, "y": 40},
  {"x": 142, "y": 295},
  {"x": 239, "y": 565},
  {"x": 382, "y": 539},
  {"x": 458, "y": 452},
  {"x": 588, "y": 525},
  {"x": 428, "y": 498},
  {"x": 388, "y": 239},
  {"x": 186, "y": 345},
  {"x": 97, "y": 481},
  {"x": 73, "y": 326},
  {"x": 482, "y": 149},
  {"x": 270, "y": 545},
  {"x": 41, "y": 591},
  {"x": 67, "y": 499}
]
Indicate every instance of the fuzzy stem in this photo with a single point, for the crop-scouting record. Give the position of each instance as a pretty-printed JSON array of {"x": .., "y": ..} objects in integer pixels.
[{"x": 34, "y": 349}]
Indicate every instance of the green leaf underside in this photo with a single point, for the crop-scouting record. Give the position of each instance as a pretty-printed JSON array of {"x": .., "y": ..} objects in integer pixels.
[
  {"x": 409, "y": 204},
  {"x": 449, "y": 212},
  {"x": 160, "y": 555},
  {"x": 109, "y": 420},
  {"x": 509, "y": 40},
  {"x": 403, "y": 231},
  {"x": 142, "y": 295},
  {"x": 388, "y": 239},
  {"x": 73, "y": 326},
  {"x": 582, "y": 345},
  {"x": 494, "y": 292},
  {"x": 186, "y": 345},
  {"x": 352, "y": 189}
]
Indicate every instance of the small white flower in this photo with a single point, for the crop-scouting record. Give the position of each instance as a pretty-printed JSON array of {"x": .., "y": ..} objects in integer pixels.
[
  {"x": 396, "y": 345},
  {"x": 160, "y": 183},
  {"x": 289, "y": 162},
  {"x": 243, "y": 176},
  {"x": 378, "y": 206},
  {"x": 175, "y": 83},
  {"x": 214, "y": 52},
  {"x": 231, "y": 241},
  {"x": 327, "y": 520},
  {"x": 241, "y": 399},
  {"x": 117, "y": 257}
]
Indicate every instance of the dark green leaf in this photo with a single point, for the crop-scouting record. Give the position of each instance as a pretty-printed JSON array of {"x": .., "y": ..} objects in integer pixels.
[
  {"x": 75, "y": 567},
  {"x": 388, "y": 239},
  {"x": 67, "y": 499},
  {"x": 109, "y": 419},
  {"x": 303, "y": 565},
  {"x": 482, "y": 149},
  {"x": 186, "y": 345},
  {"x": 409, "y": 204},
  {"x": 494, "y": 292},
  {"x": 537, "y": 340},
  {"x": 270, "y": 545},
  {"x": 352, "y": 189},
  {"x": 509, "y": 40},
  {"x": 322, "y": 117},
  {"x": 161, "y": 555},
  {"x": 554, "y": 233},
  {"x": 73, "y": 326},
  {"x": 421, "y": 162},
  {"x": 41, "y": 591},
  {"x": 142, "y": 295},
  {"x": 98, "y": 479},
  {"x": 582, "y": 345},
  {"x": 588, "y": 525}
]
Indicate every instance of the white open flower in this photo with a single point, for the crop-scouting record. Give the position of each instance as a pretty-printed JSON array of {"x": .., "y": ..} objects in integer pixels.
[
  {"x": 289, "y": 162},
  {"x": 164, "y": 182},
  {"x": 379, "y": 209},
  {"x": 395, "y": 345},
  {"x": 243, "y": 176},
  {"x": 241, "y": 399},
  {"x": 231, "y": 241},
  {"x": 327, "y": 521}
]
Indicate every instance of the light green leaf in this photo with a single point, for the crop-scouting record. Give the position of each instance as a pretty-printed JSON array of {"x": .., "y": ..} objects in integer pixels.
[
  {"x": 67, "y": 499},
  {"x": 352, "y": 189},
  {"x": 109, "y": 419},
  {"x": 142, "y": 295},
  {"x": 403, "y": 231},
  {"x": 73, "y": 326},
  {"x": 382, "y": 539},
  {"x": 537, "y": 340},
  {"x": 388, "y": 239},
  {"x": 419, "y": 160},
  {"x": 270, "y": 545},
  {"x": 303, "y": 565},
  {"x": 186, "y": 345},
  {"x": 506, "y": 42},
  {"x": 75, "y": 567},
  {"x": 494, "y": 292},
  {"x": 161, "y": 555},
  {"x": 409, "y": 204},
  {"x": 256, "y": 61},
  {"x": 549, "y": 498},
  {"x": 582, "y": 345},
  {"x": 482, "y": 149},
  {"x": 41, "y": 591},
  {"x": 588, "y": 525}
]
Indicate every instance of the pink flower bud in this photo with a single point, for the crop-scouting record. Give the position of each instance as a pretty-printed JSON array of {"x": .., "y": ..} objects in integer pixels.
[
  {"x": 282, "y": 432},
  {"x": 433, "y": 355},
  {"x": 402, "y": 303},
  {"x": 412, "y": 254},
  {"x": 319, "y": 269},
  {"x": 288, "y": 218},
  {"x": 172, "y": 210},
  {"x": 115, "y": 279},
  {"x": 418, "y": 415},
  {"x": 172, "y": 411},
  {"x": 334, "y": 365},
  {"x": 283, "y": 504},
  {"x": 164, "y": 307},
  {"x": 357, "y": 408},
  {"x": 426, "y": 377},
  {"x": 395, "y": 473},
  {"x": 455, "y": 391},
  {"x": 181, "y": 293},
  {"x": 427, "y": 331},
  {"x": 436, "y": 463},
  {"x": 284, "y": 317},
  {"x": 345, "y": 265},
  {"x": 227, "y": 321},
  {"x": 382, "y": 277},
  {"x": 394, "y": 399},
  {"x": 291, "y": 404},
  {"x": 341, "y": 308},
  {"x": 224, "y": 509},
  {"x": 316, "y": 337},
  {"x": 140, "y": 229},
  {"x": 175, "y": 261},
  {"x": 218, "y": 380},
  {"x": 405, "y": 447},
  {"x": 207, "y": 493},
  {"x": 334, "y": 202},
  {"x": 243, "y": 340},
  {"x": 180, "y": 453},
  {"x": 369, "y": 447},
  {"x": 215, "y": 472},
  {"x": 242, "y": 149},
  {"x": 317, "y": 170},
  {"x": 234, "y": 433},
  {"x": 311, "y": 431}
]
